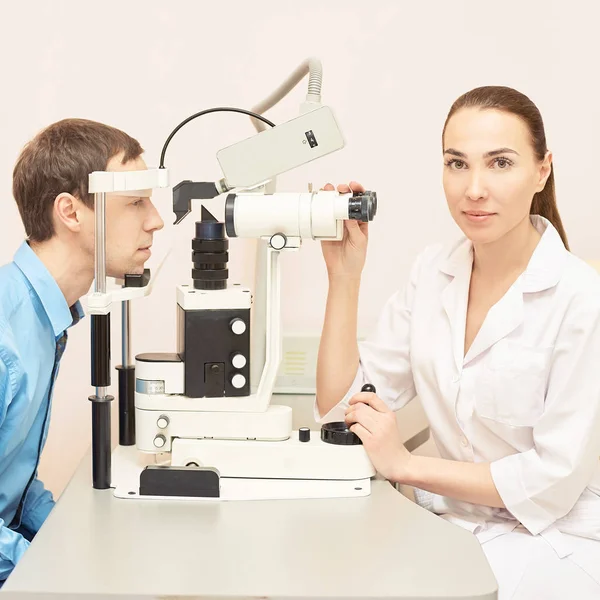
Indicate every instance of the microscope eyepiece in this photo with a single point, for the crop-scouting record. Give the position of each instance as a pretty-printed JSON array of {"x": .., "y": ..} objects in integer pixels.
[{"x": 362, "y": 206}]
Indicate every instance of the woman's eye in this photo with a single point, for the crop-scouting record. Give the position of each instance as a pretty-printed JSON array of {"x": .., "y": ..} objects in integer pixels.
[
  {"x": 503, "y": 163},
  {"x": 456, "y": 164}
]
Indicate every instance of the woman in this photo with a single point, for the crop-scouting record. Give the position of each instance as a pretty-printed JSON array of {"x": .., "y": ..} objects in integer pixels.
[{"x": 499, "y": 336}]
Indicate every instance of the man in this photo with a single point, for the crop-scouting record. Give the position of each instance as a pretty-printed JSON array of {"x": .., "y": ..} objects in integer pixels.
[{"x": 40, "y": 292}]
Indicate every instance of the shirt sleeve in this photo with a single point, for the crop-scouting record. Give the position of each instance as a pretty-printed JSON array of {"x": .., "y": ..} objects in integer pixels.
[
  {"x": 39, "y": 501},
  {"x": 385, "y": 355},
  {"x": 38, "y": 504},
  {"x": 12, "y": 547},
  {"x": 12, "y": 544},
  {"x": 541, "y": 485}
]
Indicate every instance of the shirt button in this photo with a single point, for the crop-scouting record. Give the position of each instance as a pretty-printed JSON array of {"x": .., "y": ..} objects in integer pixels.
[
  {"x": 464, "y": 441},
  {"x": 456, "y": 379}
]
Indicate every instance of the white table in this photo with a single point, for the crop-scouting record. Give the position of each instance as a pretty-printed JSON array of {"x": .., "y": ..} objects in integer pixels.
[{"x": 381, "y": 546}]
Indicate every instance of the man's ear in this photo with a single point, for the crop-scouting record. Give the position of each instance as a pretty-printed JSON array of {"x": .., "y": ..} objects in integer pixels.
[
  {"x": 68, "y": 211},
  {"x": 544, "y": 172}
]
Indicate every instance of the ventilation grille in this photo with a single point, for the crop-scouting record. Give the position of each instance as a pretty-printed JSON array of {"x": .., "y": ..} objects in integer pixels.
[{"x": 297, "y": 372}]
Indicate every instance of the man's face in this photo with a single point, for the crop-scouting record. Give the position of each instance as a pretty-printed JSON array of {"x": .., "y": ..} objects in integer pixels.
[{"x": 130, "y": 226}]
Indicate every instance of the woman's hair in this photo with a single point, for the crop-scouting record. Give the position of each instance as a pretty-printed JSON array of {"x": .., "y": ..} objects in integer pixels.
[{"x": 508, "y": 100}]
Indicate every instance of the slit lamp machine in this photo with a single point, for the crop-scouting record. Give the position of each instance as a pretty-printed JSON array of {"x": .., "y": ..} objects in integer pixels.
[{"x": 192, "y": 424}]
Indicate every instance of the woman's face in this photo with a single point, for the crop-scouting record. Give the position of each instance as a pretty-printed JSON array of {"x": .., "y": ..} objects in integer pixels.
[{"x": 490, "y": 172}]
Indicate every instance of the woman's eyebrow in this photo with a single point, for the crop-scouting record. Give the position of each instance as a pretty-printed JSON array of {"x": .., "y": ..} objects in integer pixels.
[
  {"x": 455, "y": 152},
  {"x": 500, "y": 151},
  {"x": 486, "y": 155}
]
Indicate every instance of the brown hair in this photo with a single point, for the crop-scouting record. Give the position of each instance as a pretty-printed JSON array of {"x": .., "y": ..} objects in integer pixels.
[
  {"x": 509, "y": 100},
  {"x": 59, "y": 159}
]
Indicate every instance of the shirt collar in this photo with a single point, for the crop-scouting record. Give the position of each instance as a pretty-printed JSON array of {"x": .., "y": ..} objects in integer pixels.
[
  {"x": 545, "y": 267},
  {"x": 60, "y": 315}
]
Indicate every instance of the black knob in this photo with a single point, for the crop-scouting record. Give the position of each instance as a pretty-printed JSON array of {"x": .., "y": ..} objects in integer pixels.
[
  {"x": 368, "y": 387},
  {"x": 339, "y": 433},
  {"x": 304, "y": 434}
]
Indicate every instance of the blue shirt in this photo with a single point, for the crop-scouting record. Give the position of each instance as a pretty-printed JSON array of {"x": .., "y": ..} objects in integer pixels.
[{"x": 34, "y": 317}]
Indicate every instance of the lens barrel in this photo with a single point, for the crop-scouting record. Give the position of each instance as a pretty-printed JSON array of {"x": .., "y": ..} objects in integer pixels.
[{"x": 210, "y": 256}]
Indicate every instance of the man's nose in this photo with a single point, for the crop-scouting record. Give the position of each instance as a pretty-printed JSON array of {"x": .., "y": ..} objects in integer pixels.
[{"x": 154, "y": 221}]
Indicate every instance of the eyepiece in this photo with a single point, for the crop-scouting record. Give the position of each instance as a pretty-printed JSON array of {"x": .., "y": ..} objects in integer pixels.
[{"x": 362, "y": 206}]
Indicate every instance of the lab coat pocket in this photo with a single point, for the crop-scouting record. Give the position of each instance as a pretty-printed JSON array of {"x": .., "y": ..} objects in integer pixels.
[
  {"x": 512, "y": 386},
  {"x": 583, "y": 520},
  {"x": 586, "y": 556}
]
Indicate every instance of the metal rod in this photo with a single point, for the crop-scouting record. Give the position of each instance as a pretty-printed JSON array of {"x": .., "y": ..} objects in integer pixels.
[
  {"x": 100, "y": 242},
  {"x": 126, "y": 381},
  {"x": 101, "y": 443},
  {"x": 126, "y": 333}
]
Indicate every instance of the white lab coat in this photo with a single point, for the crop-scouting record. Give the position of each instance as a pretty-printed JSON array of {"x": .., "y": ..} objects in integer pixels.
[{"x": 525, "y": 398}]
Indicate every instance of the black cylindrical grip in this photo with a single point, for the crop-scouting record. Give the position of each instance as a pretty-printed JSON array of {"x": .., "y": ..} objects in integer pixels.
[
  {"x": 100, "y": 444},
  {"x": 100, "y": 350},
  {"x": 126, "y": 405}
]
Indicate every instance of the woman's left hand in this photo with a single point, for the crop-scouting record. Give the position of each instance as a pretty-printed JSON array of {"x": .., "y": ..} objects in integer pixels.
[{"x": 375, "y": 424}]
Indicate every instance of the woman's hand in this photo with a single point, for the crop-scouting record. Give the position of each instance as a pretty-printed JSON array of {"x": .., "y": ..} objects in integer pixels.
[
  {"x": 345, "y": 259},
  {"x": 375, "y": 424}
]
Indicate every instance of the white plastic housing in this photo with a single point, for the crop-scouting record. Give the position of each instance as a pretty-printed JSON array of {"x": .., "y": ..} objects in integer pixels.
[
  {"x": 290, "y": 459},
  {"x": 275, "y": 424},
  {"x": 171, "y": 374},
  {"x": 128, "y": 183},
  {"x": 312, "y": 215},
  {"x": 234, "y": 297},
  {"x": 265, "y": 155},
  {"x": 128, "y": 463}
]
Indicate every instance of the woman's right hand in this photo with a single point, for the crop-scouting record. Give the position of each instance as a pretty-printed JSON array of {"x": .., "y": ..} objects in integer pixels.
[{"x": 345, "y": 259}]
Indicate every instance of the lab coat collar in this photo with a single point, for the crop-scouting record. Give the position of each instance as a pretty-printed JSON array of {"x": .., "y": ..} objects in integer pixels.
[
  {"x": 455, "y": 296},
  {"x": 548, "y": 261},
  {"x": 543, "y": 272},
  {"x": 545, "y": 267}
]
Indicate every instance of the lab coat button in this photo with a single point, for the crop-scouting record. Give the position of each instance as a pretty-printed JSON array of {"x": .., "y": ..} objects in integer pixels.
[{"x": 464, "y": 441}]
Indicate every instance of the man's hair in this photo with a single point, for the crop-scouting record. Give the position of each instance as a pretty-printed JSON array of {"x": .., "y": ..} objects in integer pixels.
[{"x": 59, "y": 159}]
